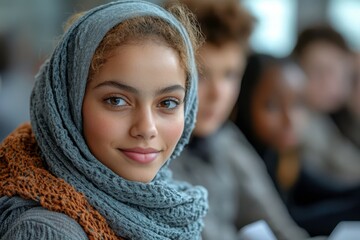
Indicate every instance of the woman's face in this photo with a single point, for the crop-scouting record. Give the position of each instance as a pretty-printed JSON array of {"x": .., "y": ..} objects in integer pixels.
[
  {"x": 328, "y": 72},
  {"x": 276, "y": 109},
  {"x": 219, "y": 85},
  {"x": 133, "y": 109}
]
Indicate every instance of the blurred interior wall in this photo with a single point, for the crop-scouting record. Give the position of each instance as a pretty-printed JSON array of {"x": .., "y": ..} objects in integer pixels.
[{"x": 311, "y": 11}]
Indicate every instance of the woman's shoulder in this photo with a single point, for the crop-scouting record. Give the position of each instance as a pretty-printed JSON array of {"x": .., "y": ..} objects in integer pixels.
[{"x": 20, "y": 218}]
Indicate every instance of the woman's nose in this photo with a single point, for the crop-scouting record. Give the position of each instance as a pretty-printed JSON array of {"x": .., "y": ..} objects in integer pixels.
[{"x": 144, "y": 125}]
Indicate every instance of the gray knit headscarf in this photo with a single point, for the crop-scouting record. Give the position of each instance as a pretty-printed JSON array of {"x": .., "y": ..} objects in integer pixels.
[{"x": 161, "y": 209}]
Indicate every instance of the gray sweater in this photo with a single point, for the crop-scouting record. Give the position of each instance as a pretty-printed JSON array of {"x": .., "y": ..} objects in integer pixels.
[
  {"x": 22, "y": 219},
  {"x": 240, "y": 189}
]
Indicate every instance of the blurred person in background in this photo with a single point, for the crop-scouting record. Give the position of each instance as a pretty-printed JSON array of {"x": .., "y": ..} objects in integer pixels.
[
  {"x": 326, "y": 59},
  {"x": 271, "y": 114},
  {"x": 348, "y": 118},
  {"x": 218, "y": 156},
  {"x": 355, "y": 97}
]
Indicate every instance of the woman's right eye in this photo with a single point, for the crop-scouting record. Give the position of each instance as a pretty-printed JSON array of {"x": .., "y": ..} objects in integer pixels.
[{"x": 116, "y": 101}]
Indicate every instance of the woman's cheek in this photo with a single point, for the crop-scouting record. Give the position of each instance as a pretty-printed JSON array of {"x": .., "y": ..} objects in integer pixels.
[
  {"x": 103, "y": 126},
  {"x": 172, "y": 131}
]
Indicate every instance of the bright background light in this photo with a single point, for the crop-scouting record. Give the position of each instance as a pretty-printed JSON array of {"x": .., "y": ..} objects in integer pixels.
[
  {"x": 275, "y": 31},
  {"x": 344, "y": 15}
]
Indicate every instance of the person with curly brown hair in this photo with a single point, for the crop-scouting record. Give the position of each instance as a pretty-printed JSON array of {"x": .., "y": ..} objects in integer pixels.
[{"x": 218, "y": 155}]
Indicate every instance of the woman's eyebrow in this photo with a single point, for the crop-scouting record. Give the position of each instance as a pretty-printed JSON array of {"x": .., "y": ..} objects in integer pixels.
[
  {"x": 121, "y": 86},
  {"x": 118, "y": 85},
  {"x": 171, "y": 88}
]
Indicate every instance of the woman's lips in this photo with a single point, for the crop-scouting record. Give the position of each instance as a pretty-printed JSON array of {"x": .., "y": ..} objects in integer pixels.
[{"x": 141, "y": 155}]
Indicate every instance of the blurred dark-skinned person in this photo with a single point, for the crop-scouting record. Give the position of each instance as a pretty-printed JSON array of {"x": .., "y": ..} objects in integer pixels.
[
  {"x": 325, "y": 57},
  {"x": 218, "y": 156},
  {"x": 271, "y": 114}
]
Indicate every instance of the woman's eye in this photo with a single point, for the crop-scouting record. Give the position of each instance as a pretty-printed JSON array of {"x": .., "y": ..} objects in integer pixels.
[
  {"x": 116, "y": 101},
  {"x": 169, "y": 104}
]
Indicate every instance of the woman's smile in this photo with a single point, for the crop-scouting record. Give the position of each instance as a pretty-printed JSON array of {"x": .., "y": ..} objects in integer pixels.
[{"x": 141, "y": 155}]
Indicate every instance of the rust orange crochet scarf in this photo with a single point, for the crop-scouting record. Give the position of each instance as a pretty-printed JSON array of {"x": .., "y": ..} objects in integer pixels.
[{"x": 22, "y": 172}]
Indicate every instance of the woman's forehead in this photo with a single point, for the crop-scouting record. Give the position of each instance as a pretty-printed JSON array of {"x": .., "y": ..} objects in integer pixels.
[{"x": 142, "y": 68}]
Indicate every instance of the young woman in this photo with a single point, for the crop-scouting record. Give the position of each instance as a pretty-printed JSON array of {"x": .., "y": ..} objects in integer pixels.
[
  {"x": 271, "y": 115},
  {"x": 112, "y": 106}
]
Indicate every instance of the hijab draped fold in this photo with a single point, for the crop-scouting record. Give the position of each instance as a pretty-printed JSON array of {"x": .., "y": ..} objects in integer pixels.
[{"x": 161, "y": 209}]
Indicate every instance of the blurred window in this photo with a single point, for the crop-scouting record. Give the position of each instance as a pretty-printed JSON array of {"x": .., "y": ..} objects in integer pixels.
[
  {"x": 344, "y": 15},
  {"x": 275, "y": 31}
]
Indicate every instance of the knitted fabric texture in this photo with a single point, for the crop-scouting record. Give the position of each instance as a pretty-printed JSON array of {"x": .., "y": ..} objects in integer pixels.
[
  {"x": 161, "y": 209},
  {"x": 22, "y": 173}
]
